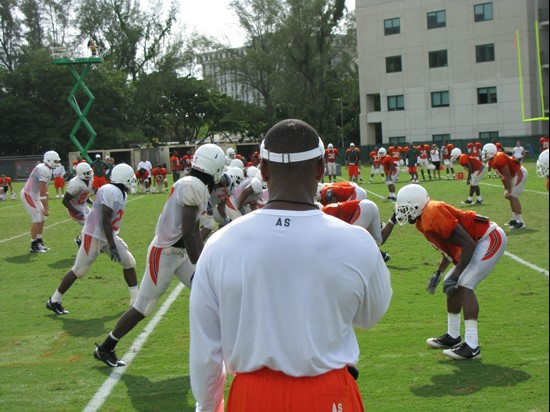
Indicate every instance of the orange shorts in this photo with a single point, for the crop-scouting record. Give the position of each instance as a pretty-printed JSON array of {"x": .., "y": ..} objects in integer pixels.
[
  {"x": 353, "y": 170},
  {"x": 412, "y": 169},
  {"x": 58, "y": 182},
  {"x": 267, "y": 390},
  {"x": 98, "y": 182}
]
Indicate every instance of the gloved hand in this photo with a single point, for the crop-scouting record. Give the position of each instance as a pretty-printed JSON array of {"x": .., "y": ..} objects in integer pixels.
[
  {"x": 450, "y": 285},
  {"x": 433, "y": 282},
  {"x": 115, "y": 255}
]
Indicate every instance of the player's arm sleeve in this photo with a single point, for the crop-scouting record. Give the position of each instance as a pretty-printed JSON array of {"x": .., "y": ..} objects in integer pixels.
[
  {"x": 206, "y": 368},
  {"x": 374, "y": 228},
  {"x": 45, "y": 175},
  {"x": 377, "y": 296}
]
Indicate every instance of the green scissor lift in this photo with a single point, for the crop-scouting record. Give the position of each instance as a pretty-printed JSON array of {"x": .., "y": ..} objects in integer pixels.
[{"x": 63, "y": 56}]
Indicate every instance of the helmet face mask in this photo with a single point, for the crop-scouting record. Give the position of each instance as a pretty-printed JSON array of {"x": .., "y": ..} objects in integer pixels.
[
  {"x": 488, "y": 152},
  {"x": 230, "y": 153},
  {"x": 382, "y": 152},
  {"x": 330, "y": 146},
  {"x": 456, "y": 153},
  {"x": 84, "y": 172},
  {"x": 543, "y": 164},
  {"x": 411, "y": 201},
  {"x": 51, "y": 159}
]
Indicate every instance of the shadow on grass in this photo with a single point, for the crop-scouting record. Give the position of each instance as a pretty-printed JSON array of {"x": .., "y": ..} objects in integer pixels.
[
  {"x": 62, "y": 264},
  {"x": 166, "y": 395},
  {"x": 515, "y": 232},
  {"x": 470, "y": 377},
  {"x": 21, "y": 259},
  {"x": 87, "y": 328}
]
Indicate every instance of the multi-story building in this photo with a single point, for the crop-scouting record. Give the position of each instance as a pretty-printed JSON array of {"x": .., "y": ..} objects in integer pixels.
[
  {"x": 448, "y": 69},
  {"x": 216, "y": 67}
]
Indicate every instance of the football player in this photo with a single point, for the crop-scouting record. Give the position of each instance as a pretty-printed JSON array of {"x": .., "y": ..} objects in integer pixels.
[
  {"x": 215, "y": 211},
  {"x": 5, "y": 185},
  {"x": 159, "y": 176},
  {"x": 376, "y": 162},
  {"x": 77, "y": 195},
  {"x": 59, "y": 180},
  {"x": 340, "y": 192},
  {"x": 436, "y": 161},
  {"x": 353, "y": 162},
  {"x": 472, "y": 243},
  {"x": 230, "y": 154},
  {"x": 142, "y": 176},
  {"x": 544, "y": 143},
  {"x": 330, "y": 159},
  {"x": 391, "y": 171},
  {"x": 176, "y": 246},
  {"x": 100, "y": 234},
  {"x": 424, "y": 162},
  {"x": 475, "y": 172},
  {"x": 513, "y": 176},
  {"x": 34, "y": 196},
  {"x": 244, "y": 197},
  {"x": 447, "y": 161},
  {"x": 542, "y": 167},
  {"x": 412, "y": 160}
]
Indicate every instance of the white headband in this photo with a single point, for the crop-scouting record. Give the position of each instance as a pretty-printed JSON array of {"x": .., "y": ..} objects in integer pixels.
[{"x": 319, "y": 151}]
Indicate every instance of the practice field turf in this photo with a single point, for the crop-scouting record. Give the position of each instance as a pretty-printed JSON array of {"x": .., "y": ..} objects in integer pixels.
[{"x": 46, "y": 361}]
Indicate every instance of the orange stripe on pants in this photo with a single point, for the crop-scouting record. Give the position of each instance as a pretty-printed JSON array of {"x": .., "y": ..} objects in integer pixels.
[{"x": 267, "y": 390}]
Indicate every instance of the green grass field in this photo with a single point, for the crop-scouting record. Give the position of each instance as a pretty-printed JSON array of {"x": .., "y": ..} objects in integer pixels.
[{"x": 46, "y": 361}]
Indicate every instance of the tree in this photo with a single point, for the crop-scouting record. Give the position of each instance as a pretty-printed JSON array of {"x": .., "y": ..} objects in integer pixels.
[{"x": 10, "y": 35}]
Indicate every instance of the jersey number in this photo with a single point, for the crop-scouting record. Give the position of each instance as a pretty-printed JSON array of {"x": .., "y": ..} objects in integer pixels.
[
  {"x": 82, "y": 198},
  {"x": 115, "y": 224}
]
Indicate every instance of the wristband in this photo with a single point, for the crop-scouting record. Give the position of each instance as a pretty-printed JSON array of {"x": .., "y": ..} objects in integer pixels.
[{"x": 43, "y": 197}]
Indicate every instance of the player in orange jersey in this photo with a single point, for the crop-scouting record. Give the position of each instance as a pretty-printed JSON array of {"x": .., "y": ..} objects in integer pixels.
[
  {"x": 5, "y": 185},
  {"x": 159, "y": 178},
  {"x": 391, "y": 171},
  {"x": 513, "y": 177},
  {"x": 339, "y": 192},
  {"x": 376, "y": 162},
  {"x": 472, "y": 243},
  {"x": 475, "y": 171},
  {"x": 424, "y": 161},
  {"x": 142, "y": 177}
]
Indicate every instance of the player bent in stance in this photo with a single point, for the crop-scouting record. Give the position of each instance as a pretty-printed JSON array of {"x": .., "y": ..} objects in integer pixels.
[
  {"x": 472, "y": 243},
  {"x": 34, "y": 196},
  {"x": 513, "y": 176},
  {"x": 363, "y": 213},
  {"x": 77, "y": 195},
  {"x": 176, "y": 246},
  {"x": 5, "y": 185},
  {"x": 281, "y": 320},
  {"x": 542, "y": 167},
  {"x": 339, "y": 192},
  {"x": 391, "y": 171},
  {"x": 475, "y": 170},
  {"x": 244, "y": 197},
  {"x": 100, "y": 233}
]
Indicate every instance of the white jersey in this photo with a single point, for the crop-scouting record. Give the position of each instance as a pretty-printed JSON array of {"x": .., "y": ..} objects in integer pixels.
[
  {"x": 517, "y": 152},
  {"x": 112, "y": 197},
  {"x": 187, "y": 191},
  {"x": 40, "y": 173},
  {"x": 59, "y": 171},
  {"x": 256, "y": 187},
  {"x": 79, "y": 190},
  {"x": 218, "y": 195},
  {"x": 434, "y": 154},
  {"x": 274, "y": 305},
  {"x": 145, "y": 165}
]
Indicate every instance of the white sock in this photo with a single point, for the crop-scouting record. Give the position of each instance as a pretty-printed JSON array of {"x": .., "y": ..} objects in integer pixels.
[
  {"x": 469, "y": 198},
  {"x": 39, "y": 236},
  {"x": 133, "y": 294},
  {"x": 392, "y": 194},
  {"x": 471, "y": 333},
  {"x": 453, "y": 324},
  {"x": 479, "y": 198},
  {"x": 56, "y": 297}
]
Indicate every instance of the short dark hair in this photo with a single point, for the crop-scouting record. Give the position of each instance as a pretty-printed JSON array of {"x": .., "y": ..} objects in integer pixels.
[{"x": 291, "y": 136}]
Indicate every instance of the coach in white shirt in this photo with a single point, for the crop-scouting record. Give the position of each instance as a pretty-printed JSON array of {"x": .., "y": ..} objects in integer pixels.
[
  {"x": 280, "y": 313},
  {"x": 518, "y": 152}
]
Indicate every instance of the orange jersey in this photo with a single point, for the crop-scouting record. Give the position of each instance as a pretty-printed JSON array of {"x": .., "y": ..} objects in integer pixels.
[
  {"x": 438, "y": 221},
  {"x": 389, "y": 165},
  {"x": 475, "y": 164},
  {"x": 375, "y": 159},
  {"x": 341, "y": 191},
  {"x": 544, "y": 143},
  {"x": 423, "y": 152},
  {"x": 144, "y": 175},
  {"x": 447, "y": 151},
  {"x": 475, "y": 152},
  {"x": 175, "y": 162},
  {"x": 159, "y": 174},
  {"x": 345, "y": 211},
  {"x": 331, "y": 154},
  {"x": 501, "y": 160},
  {"x": 5, "y": 181}
]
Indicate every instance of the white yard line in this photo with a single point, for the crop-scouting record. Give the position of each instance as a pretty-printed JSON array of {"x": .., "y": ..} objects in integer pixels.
[
  {"x": 525, "y": 190},
  {"x": 104, "y": 391},
  {"x": 11, "y": 207},
  {"x": 528, "y": 264},
  {"x": 55, "y": 224}
]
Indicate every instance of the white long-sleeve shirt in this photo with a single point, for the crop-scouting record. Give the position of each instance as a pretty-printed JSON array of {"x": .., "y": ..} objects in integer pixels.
[{"x": 282, "y": 289}]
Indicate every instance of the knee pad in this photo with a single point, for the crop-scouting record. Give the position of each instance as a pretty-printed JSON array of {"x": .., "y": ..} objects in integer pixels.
[
  {"x": 80, "y": 271},
  {"x": 145, "y": 306}
]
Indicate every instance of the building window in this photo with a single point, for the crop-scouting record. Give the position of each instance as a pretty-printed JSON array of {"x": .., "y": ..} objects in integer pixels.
[
  {"x": 483, "y": 12},
  {"x": 440, "y": 138},
  {"x": 440, "y": 99},
  {"x": 392, "y": 26},
  {"x": 437, "y": 19},
  {"x": 485, "y": 53},
  {"x": 488, "y": 135},
  {"x": 373, "y": 103},
  {"x": 393, "y": 64},
  {"x": 486, "y": 95},
  {"x": 398, "y": 139},
  {"x": 396, "y": 103},
  {"x": 438, "y": 58}
]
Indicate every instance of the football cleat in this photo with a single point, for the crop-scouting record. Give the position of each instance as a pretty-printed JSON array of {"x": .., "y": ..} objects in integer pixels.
[
  {"x": 463, "y": 352},
  {"x": 386, "y": 256},
  {"x": 478, "y": 202},
  {"x": 40, "y": 243},
  {"x": 517, "y": 225},
  {"x": 35, "y": 248},
  {"x": 511, "y": 223},
  {"x": 467, "y": 202},
  {"x": 78, "y": 241},
  {"x": 444, "y": 341},
  {"x": 56, "y": 307},
  {"x": 108, "y": 357}
]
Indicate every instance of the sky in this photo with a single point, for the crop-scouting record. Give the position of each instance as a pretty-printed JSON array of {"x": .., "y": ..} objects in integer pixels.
[{"x": 216, "y": 19}]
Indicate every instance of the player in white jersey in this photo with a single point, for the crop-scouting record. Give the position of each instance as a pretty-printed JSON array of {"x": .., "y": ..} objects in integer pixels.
[
  {"x": 215, "y": 211},
  {"x": 280, "y": 312},
  {"x": 100, "y": 234},
  {"x": 244, "y": 198},
  {"x": 77, "y": 195},
  {"x": 34, "y": 196},
  {"x": 176, "y": 246}
]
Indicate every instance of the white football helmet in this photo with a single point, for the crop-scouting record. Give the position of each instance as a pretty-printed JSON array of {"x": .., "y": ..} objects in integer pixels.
[
  {"x": 226, "y": 180},
  {"x": 124, "y": 174},
  {"x": 330, "y": 146},
  {"x": 230, "y": 153},
  {"x": 209, "y": 159},
  {"x": 252, "y": 171},
  {"x": 382, "y": 152},
  {"x": 488, "y": 152},
  {"x": 84, "y": 171},
  {"x": 237, "y": 175},
  {"x": 51, "y": 159},
  {"x": 411, "y": 201},
  {"x": 456, "y": 153},
  {"x": 237, "y": 163},
  {"x": 542, "y": 164}
]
